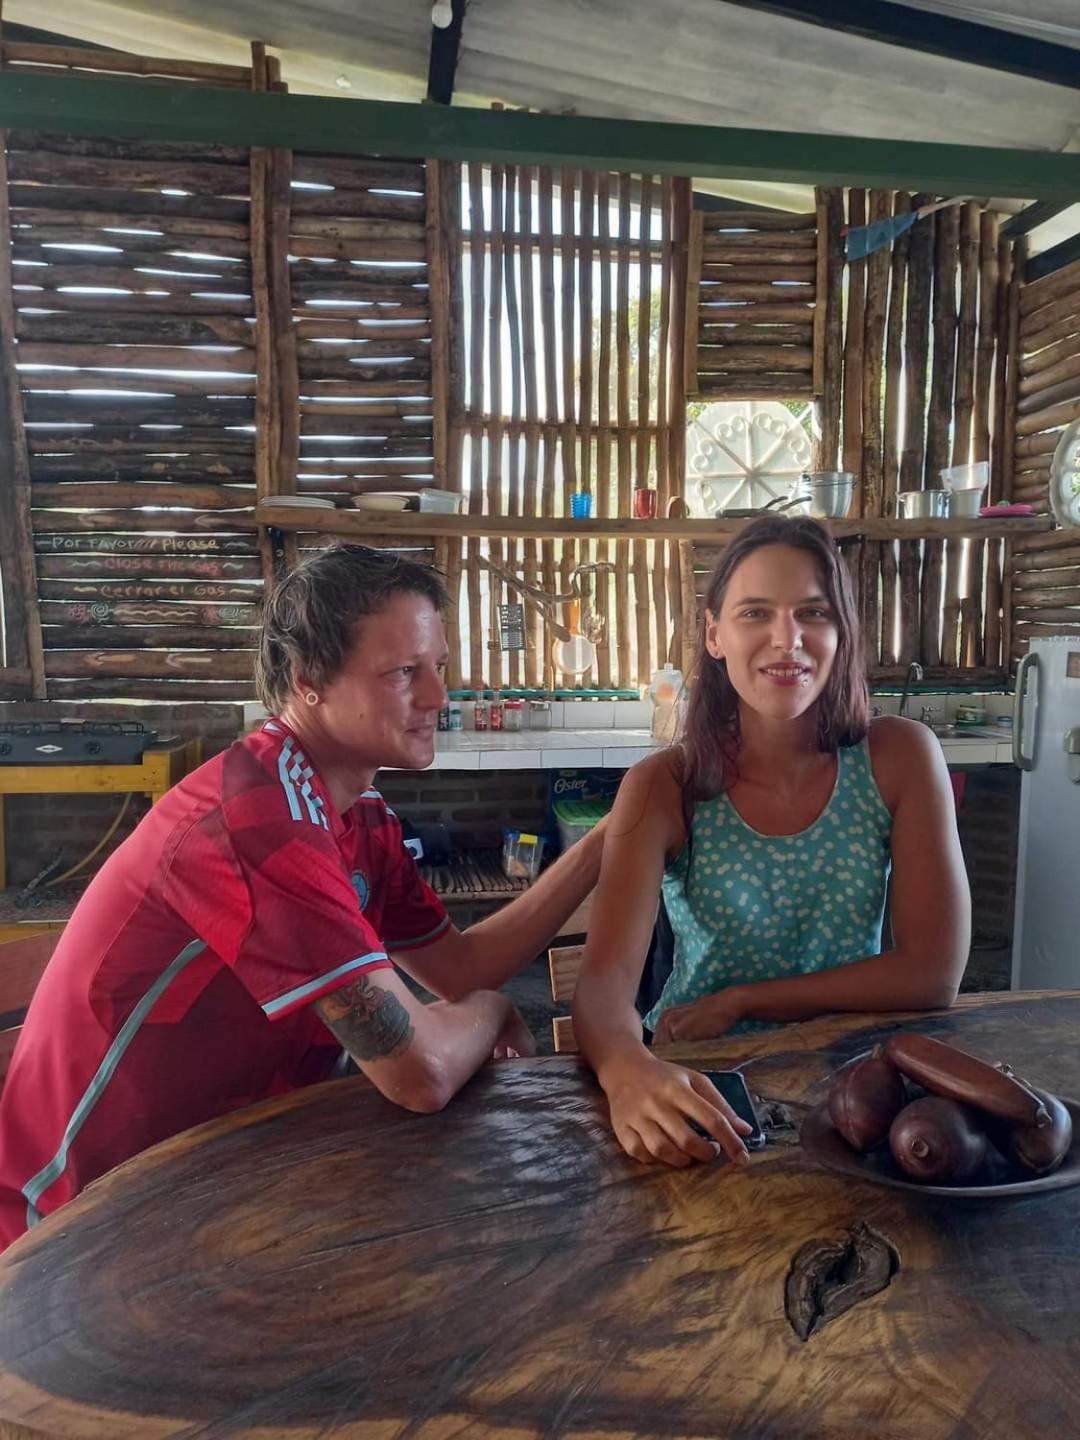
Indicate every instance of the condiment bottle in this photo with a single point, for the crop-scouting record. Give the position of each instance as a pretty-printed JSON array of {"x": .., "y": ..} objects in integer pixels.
[
  {"x": 480, "y": 712},
  {"x": 497, "y": 714},
  {"x": 664, "y": 689}
]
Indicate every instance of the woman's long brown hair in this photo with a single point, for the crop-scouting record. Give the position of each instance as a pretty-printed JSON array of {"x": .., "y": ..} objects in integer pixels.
[{"x": 710, "y": 742}]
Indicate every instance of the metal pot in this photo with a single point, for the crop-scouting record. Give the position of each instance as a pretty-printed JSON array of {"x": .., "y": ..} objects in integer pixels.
[
  {"x": 830, "y": 492},
  {"x": 923, "y": 504},
  {"x": 965, "y": 502}
]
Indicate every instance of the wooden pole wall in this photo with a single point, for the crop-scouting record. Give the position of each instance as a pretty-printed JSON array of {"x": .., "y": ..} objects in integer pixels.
[
  {"x": 890, "y": 459},
  {"x": 132, "y": 473},
  {"x": 363, "y": 372},
  {"x": 452, "y": 289},
  {"x": 1041, "y": 398},
  {"x": 22, "y": 663},
  {"x": 915, "y": 381}
]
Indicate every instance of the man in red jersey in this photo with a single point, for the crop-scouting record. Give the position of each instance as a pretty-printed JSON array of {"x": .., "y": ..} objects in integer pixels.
[{"x": 242, "y": 935}]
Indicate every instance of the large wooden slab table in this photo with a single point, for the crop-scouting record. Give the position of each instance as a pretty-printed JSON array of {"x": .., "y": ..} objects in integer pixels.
[{"x": 327, "y": 1265}]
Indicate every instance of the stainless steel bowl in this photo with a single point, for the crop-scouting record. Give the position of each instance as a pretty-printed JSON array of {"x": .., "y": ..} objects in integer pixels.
[{"x": 923, "y": 504}]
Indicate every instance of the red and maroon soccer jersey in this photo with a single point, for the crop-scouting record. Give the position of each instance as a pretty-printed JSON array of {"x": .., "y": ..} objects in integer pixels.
[{"x": 181, "y": 987}]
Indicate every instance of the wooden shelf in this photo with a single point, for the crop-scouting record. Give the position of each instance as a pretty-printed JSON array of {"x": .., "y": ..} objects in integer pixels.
[{"x": 407, "y": 524}]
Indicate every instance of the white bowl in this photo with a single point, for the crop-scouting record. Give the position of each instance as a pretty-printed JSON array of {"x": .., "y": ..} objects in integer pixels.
[{"x": 380, "y": 502}]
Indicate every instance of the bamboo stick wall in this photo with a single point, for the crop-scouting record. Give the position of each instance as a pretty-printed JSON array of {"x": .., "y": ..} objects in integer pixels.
[
  {"x": 754, "y": 327},
  {"x": 1044, "y": 578},
  {"x": 564, "y": 381},
  {"x": 913, "y": 382}
]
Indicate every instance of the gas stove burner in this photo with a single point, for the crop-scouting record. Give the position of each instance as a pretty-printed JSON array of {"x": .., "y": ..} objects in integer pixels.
[{"x": 74, "y": 742}]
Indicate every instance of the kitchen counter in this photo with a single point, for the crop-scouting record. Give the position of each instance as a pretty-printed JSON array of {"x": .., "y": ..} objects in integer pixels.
[
  {"x": 618, "y": 749},
  {"x": 613, "y": 749}
]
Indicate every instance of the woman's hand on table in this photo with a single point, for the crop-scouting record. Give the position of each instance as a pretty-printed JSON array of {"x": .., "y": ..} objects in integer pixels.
[
  {"x": 652, "y": 1104},
  {"x": 515, "y": 1039},
  {"x": 701, "y": 1019}
]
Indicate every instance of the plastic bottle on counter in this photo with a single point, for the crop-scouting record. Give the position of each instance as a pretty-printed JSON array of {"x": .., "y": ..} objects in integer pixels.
[
  {"x": 664, "y": 690},
  {"x": 480, "y": 712},
  {"x": 454, "y": 716},
  {"x": 497, "y": 714},
  {"x": 444, "y": 718},
  {"x": 513, "y": 714}
]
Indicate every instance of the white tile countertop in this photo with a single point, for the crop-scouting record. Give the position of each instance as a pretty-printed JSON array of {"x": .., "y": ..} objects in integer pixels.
[
  {"x": 540, "y": 749},
  {"x": 619, "y": 749}
]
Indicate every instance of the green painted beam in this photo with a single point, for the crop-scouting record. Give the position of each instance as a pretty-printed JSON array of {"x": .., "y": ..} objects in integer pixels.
[{"x": 88, "y": 105}]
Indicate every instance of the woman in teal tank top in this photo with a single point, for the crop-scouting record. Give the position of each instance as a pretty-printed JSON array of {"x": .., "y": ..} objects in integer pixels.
[
  {"x": 774, "y": 829},
  {"x": 745, "y": 906}
]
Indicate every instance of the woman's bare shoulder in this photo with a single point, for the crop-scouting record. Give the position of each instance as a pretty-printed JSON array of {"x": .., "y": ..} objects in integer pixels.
[
  {"x": 652, "y": 790},
  {"x": 903, "y": 753},
  {"x": 658, "y": 776}
]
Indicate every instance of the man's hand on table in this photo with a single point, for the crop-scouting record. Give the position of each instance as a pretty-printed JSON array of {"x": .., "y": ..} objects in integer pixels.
[
  {"x": 652, "y": 1104},
  {"x": 701, "y": 1019}
]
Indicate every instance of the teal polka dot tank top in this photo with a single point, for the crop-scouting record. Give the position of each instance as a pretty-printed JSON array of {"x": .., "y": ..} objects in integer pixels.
[{"x": 760, "y": 907}]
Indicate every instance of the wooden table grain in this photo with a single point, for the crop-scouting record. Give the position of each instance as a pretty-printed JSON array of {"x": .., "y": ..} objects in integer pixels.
[{"x": 327, "y": 1265}]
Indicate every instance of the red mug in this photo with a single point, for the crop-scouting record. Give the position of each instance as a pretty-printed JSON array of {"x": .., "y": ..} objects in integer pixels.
[{"x": 644, "y": 504}]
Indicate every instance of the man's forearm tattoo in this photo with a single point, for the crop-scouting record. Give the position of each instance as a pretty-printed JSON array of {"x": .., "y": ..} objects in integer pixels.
[{"x": 371, "y": 1023}]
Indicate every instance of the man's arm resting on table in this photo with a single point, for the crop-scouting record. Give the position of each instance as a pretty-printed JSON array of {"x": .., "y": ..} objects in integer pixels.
[
  {"x": 488, "y": 954},
  {"x": 417, "y": 1055}
]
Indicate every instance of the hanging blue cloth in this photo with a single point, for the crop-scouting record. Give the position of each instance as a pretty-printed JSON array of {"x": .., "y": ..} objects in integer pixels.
[{"x": 863, "y": 240}]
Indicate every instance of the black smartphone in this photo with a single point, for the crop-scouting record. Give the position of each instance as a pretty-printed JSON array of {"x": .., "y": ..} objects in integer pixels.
[{"x": 732, "y": 1087}]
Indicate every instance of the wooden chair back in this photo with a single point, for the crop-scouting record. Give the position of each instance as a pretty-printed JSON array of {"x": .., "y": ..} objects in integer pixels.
[
  {"x": 564, "y": 964},
  {"x": 22, "y": 963}
]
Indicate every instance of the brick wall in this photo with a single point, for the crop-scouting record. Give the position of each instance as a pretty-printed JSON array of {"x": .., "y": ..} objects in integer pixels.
[{"x": 475, "y": 806}]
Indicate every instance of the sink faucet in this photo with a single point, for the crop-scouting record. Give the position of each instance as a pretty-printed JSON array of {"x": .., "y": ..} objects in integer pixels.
[{"x": 913, "y": 677}]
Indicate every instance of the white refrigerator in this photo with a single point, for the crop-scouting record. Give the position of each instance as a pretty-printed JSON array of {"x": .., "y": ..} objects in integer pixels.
[{"x": 1046, "y": 747}]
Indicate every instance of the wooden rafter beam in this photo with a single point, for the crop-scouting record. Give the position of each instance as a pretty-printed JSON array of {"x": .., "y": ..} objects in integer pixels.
[
  {"x": 716, "y": 204},
  {"x": 92, "y": 105},
  {"x": 1032, "y": 216},
  {"x": 31, "y": 35},
  {"x": 443, "y": 57},
  {"x": 932, "y": 34},
  {"x": 1056, "y": 258}
]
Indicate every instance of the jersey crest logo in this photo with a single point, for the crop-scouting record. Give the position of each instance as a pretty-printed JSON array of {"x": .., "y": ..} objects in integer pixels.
[{"x": 362, "y": 888}]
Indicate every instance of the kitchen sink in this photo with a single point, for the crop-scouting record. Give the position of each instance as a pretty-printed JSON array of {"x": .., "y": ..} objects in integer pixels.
[{"x": 969, "y": 732}]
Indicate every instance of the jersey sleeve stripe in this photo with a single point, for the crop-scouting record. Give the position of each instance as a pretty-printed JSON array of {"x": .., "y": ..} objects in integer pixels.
[
  {"x": 36, "y": 1187},
  {"x": 312, "y": 989},
  {"x": 417, "y": 940}
]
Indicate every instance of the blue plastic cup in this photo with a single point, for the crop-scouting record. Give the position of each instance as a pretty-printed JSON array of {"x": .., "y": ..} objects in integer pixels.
[{"x": 581, "y": 505}]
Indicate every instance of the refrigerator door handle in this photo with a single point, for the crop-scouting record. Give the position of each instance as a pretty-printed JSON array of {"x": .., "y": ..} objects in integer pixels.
[{"x": 1029, "y": 665}]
